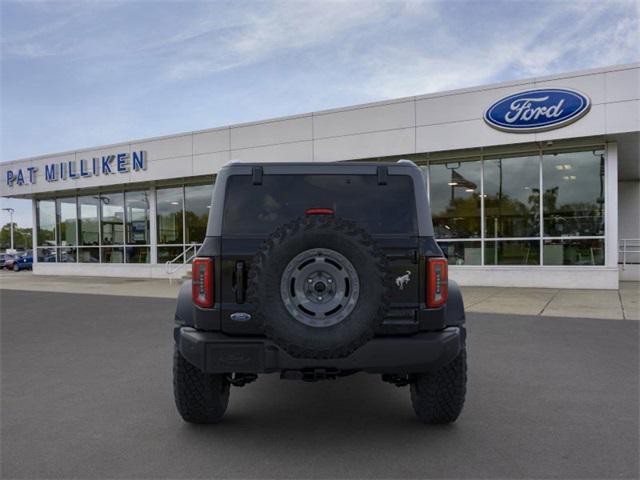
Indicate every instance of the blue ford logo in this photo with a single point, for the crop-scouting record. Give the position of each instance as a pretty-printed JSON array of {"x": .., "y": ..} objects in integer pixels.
[{"x": 537, "y": 110}]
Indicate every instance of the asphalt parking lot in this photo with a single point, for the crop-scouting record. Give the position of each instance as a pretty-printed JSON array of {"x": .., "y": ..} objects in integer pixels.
[{"x": 86, "y": 393}]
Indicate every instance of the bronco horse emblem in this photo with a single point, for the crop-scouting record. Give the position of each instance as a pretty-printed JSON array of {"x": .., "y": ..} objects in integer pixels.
[{"x": 402, "y": 280}]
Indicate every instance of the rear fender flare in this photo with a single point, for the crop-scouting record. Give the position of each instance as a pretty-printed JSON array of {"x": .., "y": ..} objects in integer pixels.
[
  {"x": 455, "y": 306},
  {"x": 184, "y": 309}
]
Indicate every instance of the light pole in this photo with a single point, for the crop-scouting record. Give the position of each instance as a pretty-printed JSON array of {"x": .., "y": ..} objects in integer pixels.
[{"x": 11, "y": 212}]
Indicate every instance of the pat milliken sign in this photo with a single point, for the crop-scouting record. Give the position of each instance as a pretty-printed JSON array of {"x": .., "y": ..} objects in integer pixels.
[
  {"x": 115, "y": 164},
  {"x": 537, "y": 110}
]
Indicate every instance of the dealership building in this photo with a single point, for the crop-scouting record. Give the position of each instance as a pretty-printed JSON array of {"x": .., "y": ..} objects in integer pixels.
[{"x": 533, "y": 183}]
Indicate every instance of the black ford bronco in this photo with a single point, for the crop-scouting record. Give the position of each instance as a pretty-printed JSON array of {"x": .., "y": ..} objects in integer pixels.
[{"x": 316, "y": 271}]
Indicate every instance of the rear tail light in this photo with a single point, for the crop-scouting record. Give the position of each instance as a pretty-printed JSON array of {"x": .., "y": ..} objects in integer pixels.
[
  {"x": 202, "y": 282},
  {"x": 437, "y": 282}
]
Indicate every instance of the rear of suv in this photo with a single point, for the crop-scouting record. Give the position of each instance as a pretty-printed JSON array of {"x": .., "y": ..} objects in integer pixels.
[{"x": 318, "y": 271}]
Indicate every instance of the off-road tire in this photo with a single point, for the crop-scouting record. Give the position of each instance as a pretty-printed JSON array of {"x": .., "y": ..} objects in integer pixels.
[
  {"x": 438, "y": 397},
  {"x": 322, "y": 232},
  {"x": 200, "y": 397}
]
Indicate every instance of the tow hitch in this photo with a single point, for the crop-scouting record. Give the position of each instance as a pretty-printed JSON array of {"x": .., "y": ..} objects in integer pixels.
[{"x": 311, "y": 375}]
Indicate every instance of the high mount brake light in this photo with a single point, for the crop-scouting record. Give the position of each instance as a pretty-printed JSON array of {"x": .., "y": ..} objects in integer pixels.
[
  {"x": 202, "y": 282},
  {"x": 319, "y": 211},
  {"x": 437, "y": 282}
]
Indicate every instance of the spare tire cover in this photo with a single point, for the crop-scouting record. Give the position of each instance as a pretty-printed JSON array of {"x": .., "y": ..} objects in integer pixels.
[{"x": 319, "y": 286}]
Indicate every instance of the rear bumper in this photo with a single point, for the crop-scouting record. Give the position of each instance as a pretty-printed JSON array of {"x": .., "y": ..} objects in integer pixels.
[{"x": 214, "y": 352}]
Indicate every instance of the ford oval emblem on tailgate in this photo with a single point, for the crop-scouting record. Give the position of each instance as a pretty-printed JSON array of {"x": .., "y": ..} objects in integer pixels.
[{"x": 240, "y": 317}]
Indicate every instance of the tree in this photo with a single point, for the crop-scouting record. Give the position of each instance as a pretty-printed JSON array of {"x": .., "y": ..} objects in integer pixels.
[{"x": 21, "y": 237}]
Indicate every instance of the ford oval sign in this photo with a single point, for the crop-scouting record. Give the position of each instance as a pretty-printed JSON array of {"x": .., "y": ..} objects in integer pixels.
[{"x": 537, "y": 110}]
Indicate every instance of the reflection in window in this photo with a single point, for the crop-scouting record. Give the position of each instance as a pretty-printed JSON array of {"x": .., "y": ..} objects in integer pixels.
[
  {"x": 573, "y": 198},
  {"x": 169, "y": 207},
  {"x": 455, "y": 199},
  {"x": 89, "y": 255},
  {"x": 67, "y": 213},
  {"x": 197, "y": 200},
  {"x": 137, "y": 254},
  {"x": 512, "y": 252},
  {"x": 137, "y": 218},
  {"x": 462, "y": 253},
  {"x": 88, "y": 220},
  {"x": 166, "y": 254},
  {"x": 112, "y": 255},
  {"x": 67, "y": 254},
  {"x": 512, "y": 197},
  {"x": 46, "y": 255},
  {"x": 46, "y": 217},
  {"x": 574, "y": 252},
  {"x": 112, "y": 218}
]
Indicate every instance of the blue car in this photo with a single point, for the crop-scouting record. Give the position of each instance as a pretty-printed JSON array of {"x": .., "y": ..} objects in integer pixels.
[{"x": 23, "y": 262}]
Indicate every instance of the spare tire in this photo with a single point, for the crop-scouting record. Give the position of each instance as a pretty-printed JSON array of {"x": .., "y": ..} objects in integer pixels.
[{"x": 319, "y": 287}]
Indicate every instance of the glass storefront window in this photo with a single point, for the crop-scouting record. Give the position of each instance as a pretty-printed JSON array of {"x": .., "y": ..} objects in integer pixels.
[
  {"x": 573, "y": 198},
  {"x": 512, "y": 252},
  {"x": 46, "y": 217},
  {"x": 169, "y": 215},
  {"x": 46, "y": 254},
  {"x": 455, "y": 199},
  {"x": 512, "y": 197},
  {"x": 137, "y": 218},
  {"x": 112, "y": 255},
  {"x": 67, "y": 221},
  {"x": 89, "y": 255},
  {"x": 462, "y": 253},
  {"x": 574, "y": 252},
  {"x": 112, "y": 218},
  {"x": 197, "y": 202},
  {"x": 166, "y": 254},
  {"x": 137, "y": 254},
  {"x": 88, "y": 227},
  {"x": 67, "y": 254}
]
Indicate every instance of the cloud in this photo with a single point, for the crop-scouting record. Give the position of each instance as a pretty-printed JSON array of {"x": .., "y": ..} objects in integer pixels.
[
  {"x": 287, "y": 26},
  {"x": 526, "y": 47}
]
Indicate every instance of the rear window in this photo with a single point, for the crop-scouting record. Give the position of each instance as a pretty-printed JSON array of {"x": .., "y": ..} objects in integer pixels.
[{"x": 259, "y": 209}]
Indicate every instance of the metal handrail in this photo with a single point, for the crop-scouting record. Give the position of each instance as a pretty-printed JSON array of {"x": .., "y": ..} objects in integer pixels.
[
  {"x": 628, "y": 245},
  {"x": 186, "y": 259}
]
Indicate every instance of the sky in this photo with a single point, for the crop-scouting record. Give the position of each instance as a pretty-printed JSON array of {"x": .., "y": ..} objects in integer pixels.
[{"x": 87, "y": 73}]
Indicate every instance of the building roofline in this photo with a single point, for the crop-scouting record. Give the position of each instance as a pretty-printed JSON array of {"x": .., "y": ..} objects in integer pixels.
[{"x": 444, "y": 93}]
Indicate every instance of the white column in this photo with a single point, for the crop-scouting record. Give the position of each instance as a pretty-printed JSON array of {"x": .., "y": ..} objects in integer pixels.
[
  {"x": 34, "y": 231},
  {"x": 611, "y": 205},
  {"x": 153, "y": 234}
]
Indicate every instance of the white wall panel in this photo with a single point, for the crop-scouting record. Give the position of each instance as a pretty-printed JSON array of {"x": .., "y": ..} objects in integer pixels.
[
  {"x": 623, "y": 85},
  {"x": 462, "y": 107},
  {"x": 286, "y": 152},
  {"x": 211, "y": 141},
  {"x": 209, "y": 163},
  {"x": 392, "y": 142},
  {"x": 165, "y": 168},
  {"x": 166, "y": 147},
  {"x": 592, "y": 85},
  {"x": 5, "y": 189},
  {"x": 623, "y": 117},
  {"x": 271, "y": 133},
  {"x": 469, "y": 134},
  {"x": 629, "y": 209},
  {"x": 361, "y": 120}
]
